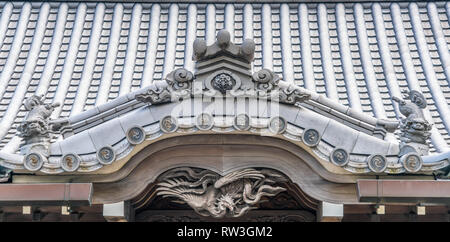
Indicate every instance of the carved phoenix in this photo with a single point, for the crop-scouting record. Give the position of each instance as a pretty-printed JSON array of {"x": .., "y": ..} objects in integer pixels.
[{"x": 211, "y": 195}]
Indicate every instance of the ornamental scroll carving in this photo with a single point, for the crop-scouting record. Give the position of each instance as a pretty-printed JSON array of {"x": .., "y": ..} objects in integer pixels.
[
  {"x": 267, "y": 83},
  {"x": 154, "y": 96},
  {"x": 224, "y": 69},
  {"x": 179, "y": 83},
  {"x": 210, "y": 194}
]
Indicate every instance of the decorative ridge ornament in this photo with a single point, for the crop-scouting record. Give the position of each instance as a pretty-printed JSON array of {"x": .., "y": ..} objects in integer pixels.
[
  {"x": 293, "y": 95},
  {"x": 223, "y": 82},
  {"x": 179, "y": 79},
  {"x": 414, "y": 128},
  {"x": 179, "y": 84},
  {"x": 36, "y": 126},
  {"x": 223, "y": 69},
  {"x": 36, "y": 131},
  {"x": 210, "y": 194},
  {"x": 223, "y": 45},
  {"x": 265, "y": 79}
]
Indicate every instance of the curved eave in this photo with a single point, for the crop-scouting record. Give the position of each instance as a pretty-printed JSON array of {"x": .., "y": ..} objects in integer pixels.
[{"x": 98, "y": 130}]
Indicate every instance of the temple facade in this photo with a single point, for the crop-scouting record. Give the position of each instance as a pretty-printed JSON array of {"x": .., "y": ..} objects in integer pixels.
[{"x": 225, "y": 111}]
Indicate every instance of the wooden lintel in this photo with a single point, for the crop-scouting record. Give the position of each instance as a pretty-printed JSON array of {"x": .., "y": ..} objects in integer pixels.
[
  {"x": 404, "y": 191},
  {"x": 78, "y": 194}
]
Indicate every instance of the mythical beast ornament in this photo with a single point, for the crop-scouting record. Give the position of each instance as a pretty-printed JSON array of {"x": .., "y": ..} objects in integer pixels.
[
  {"x": 36, "y": 123},
  {"x": 209, "y": 194},
  {"x": 36, "y": 131},
  {"x": 414, "y": 128}
]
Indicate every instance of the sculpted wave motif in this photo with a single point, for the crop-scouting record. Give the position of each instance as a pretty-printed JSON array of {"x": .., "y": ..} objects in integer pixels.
[
  {"x": 210, "y": 194},
  {"x": 179, "y": 83},
  {"x": 154, "y": 96}
]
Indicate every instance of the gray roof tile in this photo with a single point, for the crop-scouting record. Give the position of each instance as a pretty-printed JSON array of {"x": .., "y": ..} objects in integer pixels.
[{"x": 357, "y": 54}]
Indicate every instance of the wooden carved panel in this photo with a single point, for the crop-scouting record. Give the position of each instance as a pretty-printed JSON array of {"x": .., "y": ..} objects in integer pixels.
[
  {"x": 290, "y": 205},
  {"x": 251, "y": 216}
]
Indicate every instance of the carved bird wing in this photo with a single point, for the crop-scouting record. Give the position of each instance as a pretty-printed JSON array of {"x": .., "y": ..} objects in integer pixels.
[
  {"x": 181, "y": 185},
  {"x": 234, "y": 176},
  {"x": 184, "y": 194},
  {"x": 189, "y": 174}
]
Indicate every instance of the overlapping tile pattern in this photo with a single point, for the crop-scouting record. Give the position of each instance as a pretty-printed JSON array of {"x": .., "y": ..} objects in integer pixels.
[{"x": 86, "y": 54}]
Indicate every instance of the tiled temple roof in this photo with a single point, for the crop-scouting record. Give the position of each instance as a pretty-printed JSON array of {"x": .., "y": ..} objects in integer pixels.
[{"x": 361, "y": 55}]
